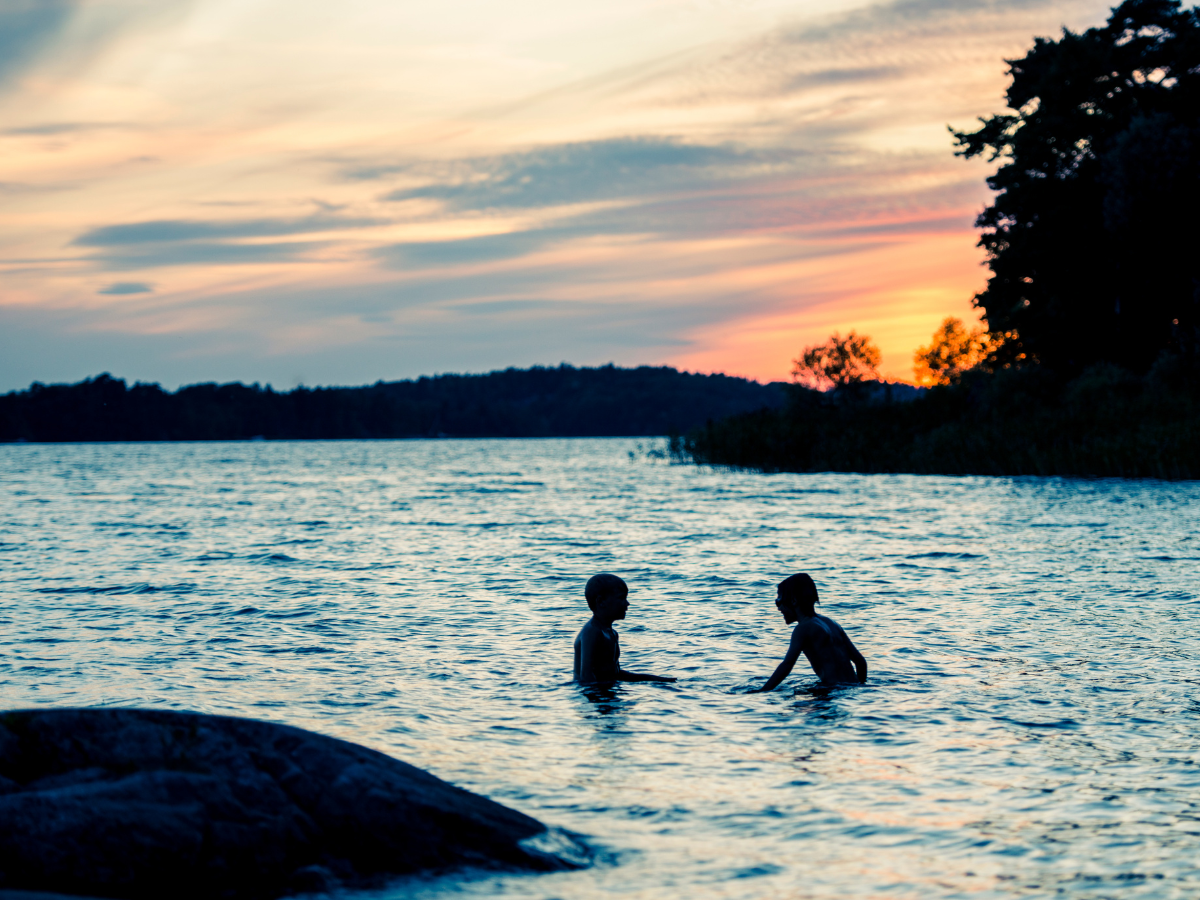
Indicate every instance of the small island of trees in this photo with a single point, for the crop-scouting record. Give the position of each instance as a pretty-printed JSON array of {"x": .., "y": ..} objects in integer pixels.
[{"x": 1088, "y": 358}]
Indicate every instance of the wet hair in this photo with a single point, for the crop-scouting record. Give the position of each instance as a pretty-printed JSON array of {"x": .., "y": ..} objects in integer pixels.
[
  {"x": 799, "y": 588},
  {"x": 602, "y": 586}
]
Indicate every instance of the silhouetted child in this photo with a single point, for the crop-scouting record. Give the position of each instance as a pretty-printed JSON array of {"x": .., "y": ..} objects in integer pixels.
[
  {"x": 597, "y": 648},
  {"x": 828, "y": 648}
]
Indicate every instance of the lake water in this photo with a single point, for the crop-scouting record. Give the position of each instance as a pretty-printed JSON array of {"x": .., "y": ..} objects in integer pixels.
[{"x": 1031, "y": 725}]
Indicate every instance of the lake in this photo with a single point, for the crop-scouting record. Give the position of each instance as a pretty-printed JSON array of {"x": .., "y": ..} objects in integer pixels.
[{"x": 1031, "y": 725}]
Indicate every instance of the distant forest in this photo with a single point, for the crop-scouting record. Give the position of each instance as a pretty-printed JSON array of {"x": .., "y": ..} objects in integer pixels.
[{"x": 539, "y": 402}]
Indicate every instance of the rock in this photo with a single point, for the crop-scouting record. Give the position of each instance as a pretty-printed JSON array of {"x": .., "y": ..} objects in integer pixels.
[{"x": 129, "y": 803}]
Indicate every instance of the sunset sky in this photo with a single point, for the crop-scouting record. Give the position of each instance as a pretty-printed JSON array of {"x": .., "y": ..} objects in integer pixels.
[{"x": 293, "y": 191}]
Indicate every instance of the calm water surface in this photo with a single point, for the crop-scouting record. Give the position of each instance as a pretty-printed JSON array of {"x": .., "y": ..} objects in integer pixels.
[{"x": 1031, "y": 725}]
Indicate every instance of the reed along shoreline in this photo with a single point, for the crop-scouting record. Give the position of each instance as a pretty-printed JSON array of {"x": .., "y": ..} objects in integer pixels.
[{"x": 1105, "y": 422}]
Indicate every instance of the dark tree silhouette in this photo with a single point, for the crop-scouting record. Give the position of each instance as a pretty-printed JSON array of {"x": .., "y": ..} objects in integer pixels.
[
  {"x": 837, "y": 363},
  {"x": 1092, "y": 239},
  {"x": 537, "y": 402}
]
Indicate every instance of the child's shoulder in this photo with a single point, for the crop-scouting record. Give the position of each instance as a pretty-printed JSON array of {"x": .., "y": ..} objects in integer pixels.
[
  {"x": 828, "y": 621},
  {"x": 594, "y": 631},
  {"x": 588, "y": 627}
]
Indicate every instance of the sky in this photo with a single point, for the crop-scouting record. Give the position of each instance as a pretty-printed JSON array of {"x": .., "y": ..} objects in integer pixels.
[{"x": 305, "y": 192}]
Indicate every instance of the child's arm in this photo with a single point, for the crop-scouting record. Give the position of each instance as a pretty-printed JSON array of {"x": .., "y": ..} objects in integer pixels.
[
  {"x": 860, "y": 663},
  {"x": 634, "y": 676},
  {"x": 585, "y": 652},
  {"x": 784, "y": 669}
]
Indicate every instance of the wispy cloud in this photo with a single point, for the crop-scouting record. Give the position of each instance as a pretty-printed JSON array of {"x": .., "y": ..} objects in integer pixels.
[
  {"x": 53, "y": 129},
  {"x": 678, "y": 192},
  {"x": 67, "y": 36},
  {"x": 465, "y": 251},
  {"x": 205, "y": 253},
  {"x": 27, "y": 27},
  {"x": 122, "y": 288},
  {"x": 579, "y": 173},
  {"x": 179, "y": 230},
  {"x": 195, "y": 242}
]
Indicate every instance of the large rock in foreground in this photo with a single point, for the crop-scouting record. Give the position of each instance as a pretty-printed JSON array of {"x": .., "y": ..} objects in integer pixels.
[{"x": 148, "y": 804}]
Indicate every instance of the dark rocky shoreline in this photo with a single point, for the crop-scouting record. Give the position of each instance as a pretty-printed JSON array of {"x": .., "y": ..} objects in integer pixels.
[{"x": 128, "y": 803}]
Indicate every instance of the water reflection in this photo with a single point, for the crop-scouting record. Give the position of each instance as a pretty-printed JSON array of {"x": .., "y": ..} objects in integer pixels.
[
  {"x": 820, "y": 702},
  {"x": 604, "y": 699},
  {"x": 604, "y": 711}
]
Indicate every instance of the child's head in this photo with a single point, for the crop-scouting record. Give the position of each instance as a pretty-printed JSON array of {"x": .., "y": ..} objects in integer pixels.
[
  {"x": 799, "y": 591},
  {"x": 604, "y": 587}
]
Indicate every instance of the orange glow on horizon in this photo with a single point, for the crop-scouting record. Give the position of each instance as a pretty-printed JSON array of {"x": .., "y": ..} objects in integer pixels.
[{"x": 898, "y": 295}]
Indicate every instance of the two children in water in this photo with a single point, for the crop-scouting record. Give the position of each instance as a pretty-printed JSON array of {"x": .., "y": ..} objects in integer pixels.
[{"x": 829, "y": 649}]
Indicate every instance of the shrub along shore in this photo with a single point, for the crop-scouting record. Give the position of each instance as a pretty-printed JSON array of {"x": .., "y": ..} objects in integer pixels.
[{"x": 1104, "y": 422}]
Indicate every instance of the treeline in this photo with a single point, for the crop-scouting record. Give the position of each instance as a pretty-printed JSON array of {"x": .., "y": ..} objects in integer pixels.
[
  {"x": 539, "y": 402},
  {"x": 1020, "y": 421}
]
